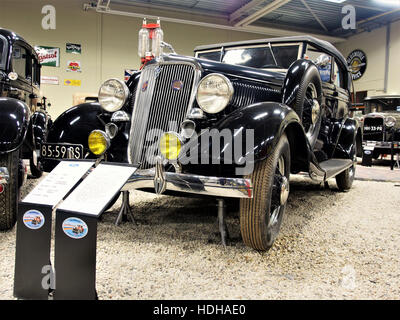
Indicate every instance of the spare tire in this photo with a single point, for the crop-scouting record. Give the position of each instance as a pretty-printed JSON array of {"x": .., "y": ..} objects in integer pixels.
[{"x": 308, "y": 103}]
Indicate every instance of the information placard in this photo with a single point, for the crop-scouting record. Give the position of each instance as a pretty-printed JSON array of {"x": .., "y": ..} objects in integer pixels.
[
  {"x": 58, "y": 182},
  {"x": 98, "y": 189}
]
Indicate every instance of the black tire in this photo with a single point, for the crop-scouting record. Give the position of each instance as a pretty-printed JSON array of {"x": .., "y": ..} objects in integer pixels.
[
  {"x": 257, "y": 214},
  {"x": 303, "y": 106},
  {"x": 35, "y": 171},
  {"x": 9, "y": 197},
  {"x": 345, "y": 179}
]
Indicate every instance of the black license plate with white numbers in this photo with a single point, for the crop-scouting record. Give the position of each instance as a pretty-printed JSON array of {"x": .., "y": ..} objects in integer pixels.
[{"x": 61, "y": 151}]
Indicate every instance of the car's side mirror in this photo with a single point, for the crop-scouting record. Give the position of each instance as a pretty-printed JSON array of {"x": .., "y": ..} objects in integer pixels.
[{"x": 323, "y": 60}]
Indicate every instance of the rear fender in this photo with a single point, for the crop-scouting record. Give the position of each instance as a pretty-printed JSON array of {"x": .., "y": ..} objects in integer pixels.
[
  {"x": 345, "y": 148},
  {"x": 14, "y": 123}
]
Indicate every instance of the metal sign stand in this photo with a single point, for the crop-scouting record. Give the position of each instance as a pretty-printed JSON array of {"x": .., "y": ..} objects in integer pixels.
[
  {"x": 33, "y": 270},
  {"x": 32, "y": 251},
  {"x": 75, "y": 259},
  {"x": 85, "y": 199}
]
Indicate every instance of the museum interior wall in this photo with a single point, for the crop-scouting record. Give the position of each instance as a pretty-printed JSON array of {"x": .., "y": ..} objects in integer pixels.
[{"x": 109, "y": 45}]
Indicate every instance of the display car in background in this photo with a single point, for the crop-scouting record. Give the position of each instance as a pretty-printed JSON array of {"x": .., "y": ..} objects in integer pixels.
[
  {"x": 265, "y": 100},
  {"x": 23, "y": 120},
  {"x": 381, "y": 128}
]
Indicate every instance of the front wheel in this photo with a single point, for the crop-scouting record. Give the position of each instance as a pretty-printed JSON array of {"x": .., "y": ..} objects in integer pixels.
[
  {"x": 261, "y": 217},
  {"x": 9, "y": 195}
]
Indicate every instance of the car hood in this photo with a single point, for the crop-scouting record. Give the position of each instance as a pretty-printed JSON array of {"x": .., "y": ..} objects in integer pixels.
[{"x": 233, "y": 71}]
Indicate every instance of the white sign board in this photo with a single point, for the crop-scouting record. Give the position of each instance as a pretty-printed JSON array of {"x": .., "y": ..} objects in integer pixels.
[
  {"x": 98, "y": 189},
  {"x": 58, "y": 182}
]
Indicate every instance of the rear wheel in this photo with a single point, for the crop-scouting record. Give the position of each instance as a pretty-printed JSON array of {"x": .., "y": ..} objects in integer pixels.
[
  {"x": 261, "y": 217},
  {"x": 9, "y": 196}
]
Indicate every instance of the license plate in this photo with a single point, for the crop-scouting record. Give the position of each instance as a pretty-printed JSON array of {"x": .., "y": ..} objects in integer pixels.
[{"x": 61, "y": 151}]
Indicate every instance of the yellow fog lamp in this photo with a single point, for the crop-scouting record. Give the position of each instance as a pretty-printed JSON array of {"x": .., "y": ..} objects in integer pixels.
[
  {"x": 170, "y": 145},
  {"x": 98, "y": 142}
]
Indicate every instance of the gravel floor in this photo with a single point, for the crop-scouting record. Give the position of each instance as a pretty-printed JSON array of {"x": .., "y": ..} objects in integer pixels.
[{"x": 332, "y": 246}]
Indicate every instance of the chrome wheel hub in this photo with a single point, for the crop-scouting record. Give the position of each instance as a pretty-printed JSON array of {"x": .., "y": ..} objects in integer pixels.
[{"x": 284, "y": 190}]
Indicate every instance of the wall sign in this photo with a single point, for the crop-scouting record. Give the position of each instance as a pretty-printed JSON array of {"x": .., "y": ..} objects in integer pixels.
[
  {"x": 74, "y": 66},
  {"x": 73, "y": 83},
  {"x": 49, "y": 80},
  {"x": 73, "y": 48},
  {"x": 48, "y": 56},
  {"x": 357, "y": 62}
]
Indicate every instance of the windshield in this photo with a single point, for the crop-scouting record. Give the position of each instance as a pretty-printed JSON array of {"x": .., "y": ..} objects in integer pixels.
[
  {"x": 3, "y": 52},
  {"x": 269, "y": 56},
  {"x": 383, "y": 105}
]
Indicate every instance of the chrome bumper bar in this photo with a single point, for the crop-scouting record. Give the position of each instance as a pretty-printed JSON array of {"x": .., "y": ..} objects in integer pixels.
[
  {"x": 194, "y": 184},
  {"x": 4, "y": 175}
]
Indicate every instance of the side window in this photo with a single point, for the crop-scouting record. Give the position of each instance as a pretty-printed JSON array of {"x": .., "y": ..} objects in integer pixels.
[
  {"x": 315, "y": 55},
  {"x": 211, "y": 55},
  {"x": 21, "y": 62},
  {"x": 338, "y": 79}
]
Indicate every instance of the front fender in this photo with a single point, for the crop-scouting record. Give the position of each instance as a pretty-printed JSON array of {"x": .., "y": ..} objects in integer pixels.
[
  {"x": 74, "y": 126},
  {"x": 14, "y": 123},
  {"x": 264, "y": 123}
]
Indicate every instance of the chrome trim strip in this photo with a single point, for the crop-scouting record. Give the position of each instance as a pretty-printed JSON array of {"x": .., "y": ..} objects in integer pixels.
[
  {"x": 4, "y": 175},
  {"x": 194, "y": 184}
]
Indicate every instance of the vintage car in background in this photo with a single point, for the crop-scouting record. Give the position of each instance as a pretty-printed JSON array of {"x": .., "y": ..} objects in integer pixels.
[
  {"x": 180, "y": 118},
  {"x": 23, "y": 120},
  {"x": 381, "y": 126}
]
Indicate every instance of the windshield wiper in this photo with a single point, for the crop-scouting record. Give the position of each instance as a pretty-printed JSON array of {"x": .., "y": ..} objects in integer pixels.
[{"x": 272, "y": 53}]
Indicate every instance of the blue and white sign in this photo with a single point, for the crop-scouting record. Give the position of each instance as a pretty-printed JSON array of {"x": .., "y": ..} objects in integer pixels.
[
  {"x": 33, "y": 219},
  {"x": 75, "y": 228}
]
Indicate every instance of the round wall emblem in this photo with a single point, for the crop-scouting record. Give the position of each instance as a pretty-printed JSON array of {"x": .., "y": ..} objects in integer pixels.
[
  {"x": 144, "y": 86},
  {"x": 357, "y": 62},
  {"x": 177, "y": 85},
  {"x": 33, "y": 219},
  {"x": 75, "y": 228}
]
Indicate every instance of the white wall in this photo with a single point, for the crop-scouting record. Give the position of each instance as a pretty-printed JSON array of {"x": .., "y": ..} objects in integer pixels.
[
  {"x": 109, "y": 42},
  {"x": 374, "y": 45}
]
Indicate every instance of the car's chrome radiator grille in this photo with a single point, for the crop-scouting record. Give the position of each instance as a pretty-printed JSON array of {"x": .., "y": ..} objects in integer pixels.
[
  {"x": 373, "y": 129},
  {"x": 163, "y": 96}
]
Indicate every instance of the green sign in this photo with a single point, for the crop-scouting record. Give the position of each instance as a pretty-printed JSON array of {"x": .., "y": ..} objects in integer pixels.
[
  {"x": 48, "y": 56},
  {"x": 74, "y": 48}
]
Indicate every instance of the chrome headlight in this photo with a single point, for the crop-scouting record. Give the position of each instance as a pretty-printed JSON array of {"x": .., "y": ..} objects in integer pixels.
[
  {"x": 214, "y": 93},
  {"x": 113, "y": 94},
  {"x": 390, "y": 121}
]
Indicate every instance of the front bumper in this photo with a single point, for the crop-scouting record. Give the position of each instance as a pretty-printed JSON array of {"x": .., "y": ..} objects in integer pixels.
[
  {"x": 4, "y": 175},
  {"x": 193, "y": 184}
]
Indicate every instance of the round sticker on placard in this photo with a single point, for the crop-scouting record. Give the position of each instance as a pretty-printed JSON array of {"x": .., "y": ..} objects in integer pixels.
[
  {"x": 33, "y": 219},
  {"x": 75, "y": 228}
]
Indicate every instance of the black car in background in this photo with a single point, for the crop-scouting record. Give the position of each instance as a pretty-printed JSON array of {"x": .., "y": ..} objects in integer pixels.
[
  {"x": 23, "y": 120},
  {"x": 281, "y": 104},
  {"x": 381, "y": 126}
]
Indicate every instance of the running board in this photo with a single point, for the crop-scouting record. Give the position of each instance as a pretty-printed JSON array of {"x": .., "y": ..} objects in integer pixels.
[{"x": 330, "y": 168}]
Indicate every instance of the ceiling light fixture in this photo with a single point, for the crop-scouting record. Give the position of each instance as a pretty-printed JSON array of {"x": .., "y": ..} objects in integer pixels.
[
  {"x": 336, "y": 1},
  {"x": 389, "y": 2}
]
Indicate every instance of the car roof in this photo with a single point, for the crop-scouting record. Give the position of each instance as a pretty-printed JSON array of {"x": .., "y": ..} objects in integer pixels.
[
  {"x": 318, "y": 43},
  {"x": 13, "y": 37}
]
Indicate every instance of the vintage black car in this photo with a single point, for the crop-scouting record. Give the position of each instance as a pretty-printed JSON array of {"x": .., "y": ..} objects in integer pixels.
[
  {"x": 381, "y": 126},
  {"x": 232, "y": 122},
  {"x": 23, "y": 120}
]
